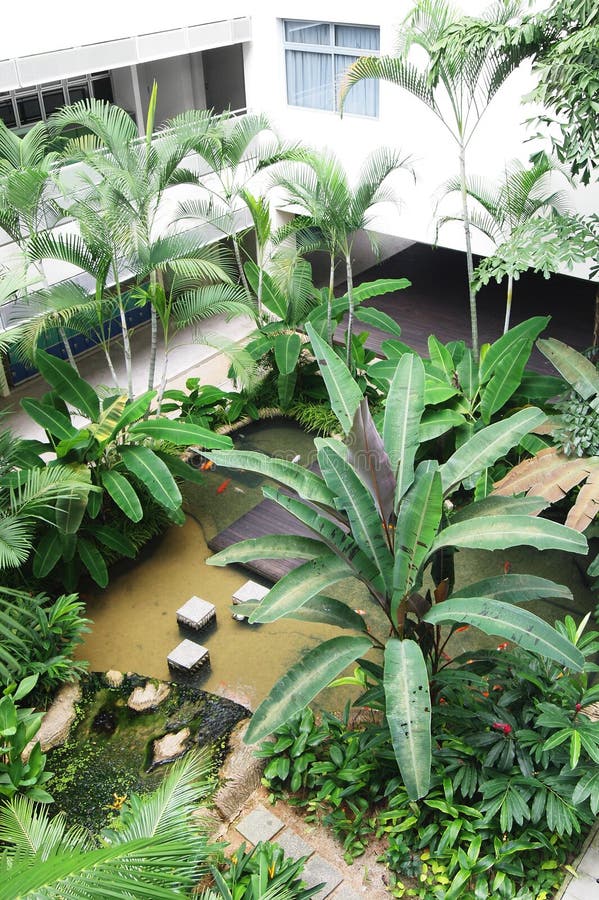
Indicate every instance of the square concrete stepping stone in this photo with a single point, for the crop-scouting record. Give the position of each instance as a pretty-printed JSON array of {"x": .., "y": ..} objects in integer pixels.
[
  {"x": 188, "y": 656},
  {"x": 259, "y": 825},
  {"x": 318, "y": 870},
  {"x": 196, "y": 613},
  {"x": 293, "y": 845},
  {"x": 251, "y": 590}
]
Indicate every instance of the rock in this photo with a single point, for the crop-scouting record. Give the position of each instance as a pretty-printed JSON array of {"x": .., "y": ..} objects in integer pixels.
[
  {"x": 57, "y": 721},
  {"x": 208, "y": 819},
  {"x": 170, "y": 747},
  {"x": 240, "y": 774},
  {"x": 148, "y": 697},
  {"x": 114, "y": 679}
]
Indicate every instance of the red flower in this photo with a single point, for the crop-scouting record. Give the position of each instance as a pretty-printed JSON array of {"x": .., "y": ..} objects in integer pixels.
[
  {"x": 503, "y": 727},
  {"x": 578, "y": 707}
]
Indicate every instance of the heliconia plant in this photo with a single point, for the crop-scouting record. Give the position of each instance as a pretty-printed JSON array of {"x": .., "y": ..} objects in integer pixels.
[{"x": 378, "y": 517}]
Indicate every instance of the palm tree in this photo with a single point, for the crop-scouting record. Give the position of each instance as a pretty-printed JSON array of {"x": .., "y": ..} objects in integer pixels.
[
  {"x": 521, "y": 195},
  {"x": 332, "y": 210},
  {"x": 27, "y": 168},
  {"x": 239, "y": 148},
  {"x": 457, "y": 84},
  {"x": 156, "y": 850}
]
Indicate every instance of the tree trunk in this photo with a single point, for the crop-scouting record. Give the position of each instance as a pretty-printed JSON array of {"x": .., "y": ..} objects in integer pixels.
[
  {"x": 109, "y": 363},
  {"x": 240, "y": 268},
  {"x": 67, "y": 347},
  {"x": 125, "y": 333},
  {"x": 595, "y": 350},
  {"x": 508, "y": 302},
  {"x": 260, "y": 284},
  {"x": 469, "y": 263},
  {"x": 350, "y": 302},
  {"x": 162, "y": 386},
  {"x": 330, "y": 300}
]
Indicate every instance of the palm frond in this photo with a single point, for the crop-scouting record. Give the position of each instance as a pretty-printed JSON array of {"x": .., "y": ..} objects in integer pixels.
[
  {"x": 32, "y": 834},
  {"x": 193, "y": 307}
]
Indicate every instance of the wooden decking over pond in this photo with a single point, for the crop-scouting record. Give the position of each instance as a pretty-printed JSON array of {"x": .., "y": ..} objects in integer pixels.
[{"x": 264, "y": 519}]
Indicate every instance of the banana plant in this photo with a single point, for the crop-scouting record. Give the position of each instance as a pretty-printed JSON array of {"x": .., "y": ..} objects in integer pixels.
[
  {"x": 133, "y": 463},
  {"x": 462, "y": 396},
  {"x": 377, "y": 516}
]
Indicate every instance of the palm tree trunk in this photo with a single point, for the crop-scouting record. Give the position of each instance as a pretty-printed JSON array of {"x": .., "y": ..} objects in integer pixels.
[
  {"x": 330, "y": 300},
  {"x": 260, "y": 285},
  {"x": 237, "y": 253},
  {"x": 469, "y": 262},
  {"x": 125, "y": 333},
  {"x": 162, "y": 386},
  {"x": 508, "y": 302},
  {"x": 350, "y": 302},
  {"x": 595, "y": 351},
  {"x": 67, "y": 347}
]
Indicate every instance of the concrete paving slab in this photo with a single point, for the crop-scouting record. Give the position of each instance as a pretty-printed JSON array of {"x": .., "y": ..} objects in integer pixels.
[
  {"x": 589, "y": 863},
  {"x": 582, "y": 888},
  {"x": 318, "y": 870},
  {"x": 293, "y": 845},
  {"x": 259, "y": 825}
]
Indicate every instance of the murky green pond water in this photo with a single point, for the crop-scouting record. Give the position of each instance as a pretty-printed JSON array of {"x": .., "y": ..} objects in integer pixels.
[{"x": 134, "y": 618}]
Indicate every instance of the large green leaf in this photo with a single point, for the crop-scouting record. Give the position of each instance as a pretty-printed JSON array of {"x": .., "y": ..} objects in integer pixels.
[
  {"x": 123, "y": 494},
  {"x": 305, "y": 483},
  {"x": 367, "y": 456},
  {"x": 300, "y": 585},
  {"x": 505, "y": 379},
  {"x": 496, "y": 505},
  {"x": 441, "y": 358},
  {"x": 69, "y": 512},
  {"x": 49, "y": 418},
  {"x": 514, "y": 588},
  {"x": 576, "y": 368},
  {"x": 303, "y": 682},
  {"x": 487, "y": 446},
  {"x": 437, "y": 389},
  {"x": 179, "y": 468},
  {"x": 47, "y": 553},
  {"x": 379, "y": 286},
  {"x": 499, "y": 532},
  {"x": 154, "y": 474},
  {"x": 184, "y": 434},
  {"x": 324, "y": 610},
  {"x": 134, "y": 411},
  {"x": 511, "y": 623},
  {"x": 378, "y": 319},
  {"x": 503, "y": 348},
  {"x": 93, "y": 561},
  {"x": 286, "y": 389},
  {"x": 116, "y": 540},
  {"x": 408, "y": 711},
  {"x": 417, "y": 524},
  {"x": 272, "y": 298},
  {"x": 436, "y": 422},
  {"x": 344, "y": 393},
  {"x": 401, "y": 425},
  {"x": 271, "y": 546},
  {"x": 358, "y": 503},
  {"x": 71, "y": 387},
  {"x": 109, "y": 417},
  {"x": 287, "y": 350}
]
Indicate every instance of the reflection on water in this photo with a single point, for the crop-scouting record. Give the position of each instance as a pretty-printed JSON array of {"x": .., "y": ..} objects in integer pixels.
[{"x": 134, "y": 618}]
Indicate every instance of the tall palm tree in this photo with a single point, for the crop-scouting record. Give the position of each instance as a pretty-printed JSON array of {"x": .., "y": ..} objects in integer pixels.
[
  {"x": 333, "y": 210},
  {"x": 27, "y": 169},
  {"x": 524, "y": 193},
  {"x": 157, "y": 849},
  {"x": 458, "y": 82}
]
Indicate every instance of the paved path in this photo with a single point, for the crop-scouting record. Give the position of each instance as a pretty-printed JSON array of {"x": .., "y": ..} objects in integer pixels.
[{"x": 584, "y": 886}]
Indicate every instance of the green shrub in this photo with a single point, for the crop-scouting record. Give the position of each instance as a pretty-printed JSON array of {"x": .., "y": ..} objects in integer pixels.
[{"x": 18, "y": 726}]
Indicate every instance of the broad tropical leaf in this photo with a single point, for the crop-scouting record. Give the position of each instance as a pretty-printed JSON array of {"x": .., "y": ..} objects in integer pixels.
[
  {"x": 367, "y": 455},
  {"x": 324, "y": 610},
  {"x": 514, "y": 588},
  {"x": 154, "y": 474},
  {"x": 116, "y": 540},
  {"x": 344, "y": 393},
  {"x": 70, "y": 386},
  {"x": 401, "y": 426},
  {"x": 408, "y": 711},
  {"x": 378, "y": 319},
  {"x": 511, "y": 623},
  {"x": 505, "y": 380},
  {"x": 436, "y": 422},
  {"x": 123, "y": 494},
  {"x": 271, "y": 546},
  {"x": 575, "y": 368},
  {"x": 487, "y": 446},
  {"x": 183, "y": 434},
  {"x": 93, "y": 561},
  {"x": 133, "y": 411},
  {"x": 303, "y": 682},
  {"x": 499, "y": 532},
  {"x": 300, "y": 585},
  {"x": 49, "y": 418},
  {"x": 417, "y": 525},
  {"x": 47, "y": 553},
  {"x": 287, "y": 350},
  {"x": 503, "y": 348}
]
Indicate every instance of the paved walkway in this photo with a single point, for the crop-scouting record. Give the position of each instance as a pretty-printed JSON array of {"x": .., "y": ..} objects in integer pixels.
[{"x": 585, "y": 885}]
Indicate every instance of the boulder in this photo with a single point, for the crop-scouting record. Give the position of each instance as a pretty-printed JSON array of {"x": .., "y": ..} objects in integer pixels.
[
  {"x": 169, "y": 747},
  {"x": 114, "y": 679},
  {"x": 239, "y": 776},
  {"x": 57, "y": 721},
  {"x": 149, "y": 696}
]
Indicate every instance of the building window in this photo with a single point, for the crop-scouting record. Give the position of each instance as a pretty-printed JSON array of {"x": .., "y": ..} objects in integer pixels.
[
  {"x": 23, "y": 108},
  {"x": 317, "y": 55}
]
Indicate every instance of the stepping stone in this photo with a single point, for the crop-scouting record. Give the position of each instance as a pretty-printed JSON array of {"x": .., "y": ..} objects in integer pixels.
[
  {"x": 318, "y": 870},
  {"x": 196, "y": 613},
  {"x": 582, "y": 888},
  {"x": 188, "y": 656},
  {"x": 259, "y": 825},
  {"x": 293, "y": 845},
  {"x": 251, "y": 590}
]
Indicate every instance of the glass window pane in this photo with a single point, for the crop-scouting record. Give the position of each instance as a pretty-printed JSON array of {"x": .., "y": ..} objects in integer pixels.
[
  {"x": 53, "y": 100},
  {"x": 102, "y": 88},
  {"x": 363, "y": 98},
  {"x": 358, "y": 37},
  {"x": 308, "y": 33},
  {"x": 309, "y": 79},
  {"x": 29, "y": 109},
  {"x": 7, "y": 112},
  {"x": 78, "y": 92}
]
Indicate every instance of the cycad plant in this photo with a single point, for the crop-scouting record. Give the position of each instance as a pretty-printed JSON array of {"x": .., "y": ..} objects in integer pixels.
[
  {"x": 457, "y": 83},
  {"x": 331, "y": 210},
  {"x": 522, "y": 194},
  {"x": 378, "y": 517},
  {"x": 156, "y": 848}
]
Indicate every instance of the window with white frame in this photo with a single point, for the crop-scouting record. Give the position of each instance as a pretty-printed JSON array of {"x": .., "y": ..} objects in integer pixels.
[
  {"x": 317, "y": 55},
  {"x": 21, "y": 109}
]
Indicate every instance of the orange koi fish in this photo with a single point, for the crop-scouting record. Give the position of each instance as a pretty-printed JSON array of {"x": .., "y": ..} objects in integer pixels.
[
  {"x": 206, "y": 466},
  {"x": 223, "y": 486}
]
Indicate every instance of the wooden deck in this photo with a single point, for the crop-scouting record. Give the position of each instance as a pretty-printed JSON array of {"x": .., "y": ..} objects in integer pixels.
[
  {"x": 437, "y": 303},
  {"x": 264, "y": 519}
]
